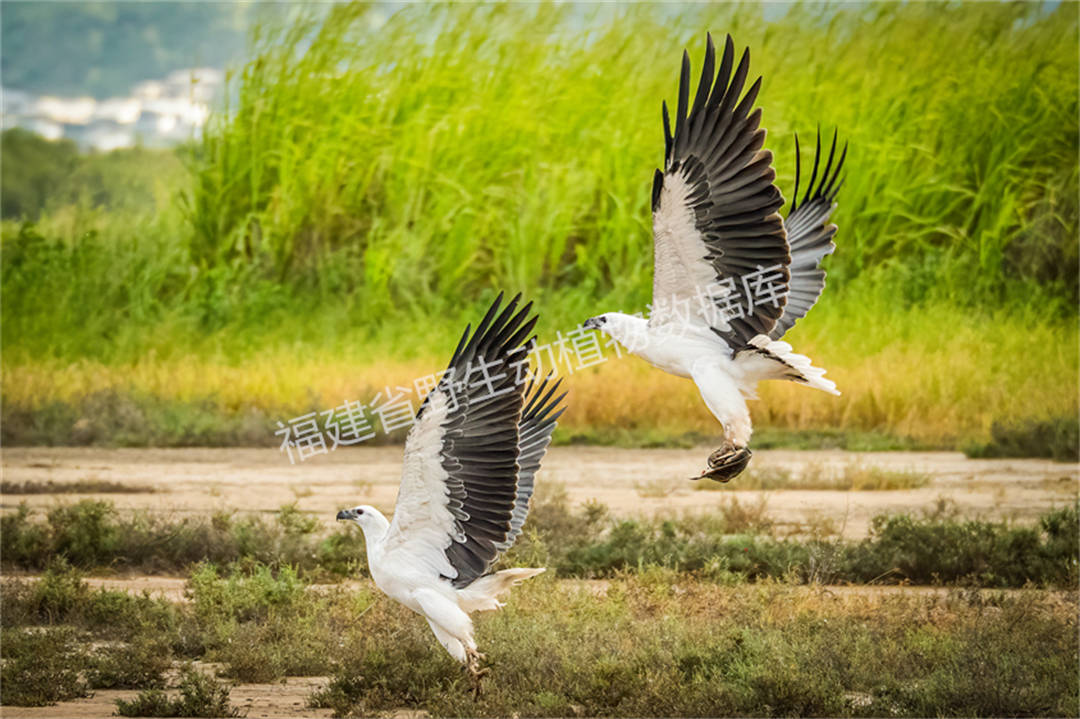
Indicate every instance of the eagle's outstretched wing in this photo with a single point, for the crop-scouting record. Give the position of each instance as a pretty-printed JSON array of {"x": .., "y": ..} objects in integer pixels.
[
  {"x": 719, "y": 242},
  {"x": 810, "y": 234},
  {"x": 459, "y": 487}
]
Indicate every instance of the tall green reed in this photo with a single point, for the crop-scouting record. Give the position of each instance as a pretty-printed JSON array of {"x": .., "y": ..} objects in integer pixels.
[{"x": 454, "y": 148}]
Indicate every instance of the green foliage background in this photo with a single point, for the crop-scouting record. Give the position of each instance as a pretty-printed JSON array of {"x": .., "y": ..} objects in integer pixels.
[
  {"x": 513, "y": 147},
  {"x": 372, "y": 181}
]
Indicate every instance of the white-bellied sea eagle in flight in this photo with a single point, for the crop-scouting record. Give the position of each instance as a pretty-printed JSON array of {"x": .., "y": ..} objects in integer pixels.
[
  {"x": 730, "y": 275},
  {"x": 470, "y": 462}
]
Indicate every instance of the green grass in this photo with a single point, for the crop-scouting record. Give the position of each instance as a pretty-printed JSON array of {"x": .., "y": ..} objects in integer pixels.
[
  {"x": 410, "y": 173},
  {"x": 654, "y": 643},
  {"x": 367, "y": 187}
]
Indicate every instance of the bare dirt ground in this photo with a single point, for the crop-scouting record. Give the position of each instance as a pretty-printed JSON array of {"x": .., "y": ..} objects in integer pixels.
[
  {"x": 631, "y": 482},
  {"x": 279, "y": 700}
]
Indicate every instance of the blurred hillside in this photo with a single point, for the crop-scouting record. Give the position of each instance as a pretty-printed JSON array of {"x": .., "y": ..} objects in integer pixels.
[
  {"x": 102, "y": 49},
  {"x": 129, "y": 73}
]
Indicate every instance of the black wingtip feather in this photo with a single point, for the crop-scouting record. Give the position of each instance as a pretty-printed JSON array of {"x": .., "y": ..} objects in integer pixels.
[
  {"x": 828, "y": 184},
  {"x": 481, "y": 330},
  {"x": 461, "y": 343},
  {"x": 813, "y": 173},
  {"x": 706, "y": 81},
  {"x": 498, "y": 326},
  {"x": 508, "y": 324},
  {"x": 798, "y": 170},
  {"x": 828, "y": 164},
  {"x": 669, "y": 141},
  {"x": 517, "y": 340},
  {"x": 748, "y": 99},
  {"x": 832, "y": 195},
  {"x": 832, "y": 188},
  {"x": 539, "y": 400},
  {"x": 684, "y": 101},
  {"x": 723, "y": 76}
]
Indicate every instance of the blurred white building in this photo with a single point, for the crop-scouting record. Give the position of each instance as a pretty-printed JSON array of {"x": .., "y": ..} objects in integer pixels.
[{"x": 156, "y": 113}]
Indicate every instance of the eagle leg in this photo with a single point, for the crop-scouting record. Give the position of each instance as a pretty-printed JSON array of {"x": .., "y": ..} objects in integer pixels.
[{"x": 476, "y": 673}]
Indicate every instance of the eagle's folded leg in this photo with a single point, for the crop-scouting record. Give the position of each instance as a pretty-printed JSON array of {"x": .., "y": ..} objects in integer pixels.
[
  {"x": 475, "y": 672},
  {"x": 724, "y": 398},
  {"x": 726, "y": 463}
]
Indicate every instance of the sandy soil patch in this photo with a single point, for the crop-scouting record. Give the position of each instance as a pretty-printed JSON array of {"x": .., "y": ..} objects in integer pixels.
[
  {"x": 281, "y": 700},
  {"x": 631, "y": 482}
]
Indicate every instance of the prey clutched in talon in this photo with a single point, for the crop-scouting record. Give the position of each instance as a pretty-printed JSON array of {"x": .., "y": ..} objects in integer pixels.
[
  {"x": 476, "y": 673},
  {"x": 726, "y": 463}
]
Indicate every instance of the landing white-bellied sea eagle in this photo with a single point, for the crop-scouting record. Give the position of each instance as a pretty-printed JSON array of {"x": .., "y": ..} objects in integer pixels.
[
  {"x": 730, "y": 275},
  {"x": 470, "y": 464}
]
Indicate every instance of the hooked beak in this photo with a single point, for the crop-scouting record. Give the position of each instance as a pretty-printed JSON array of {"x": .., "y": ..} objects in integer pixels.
[
  {"x": 346, "y": 514},
  {"x": 593, "y": 323}
]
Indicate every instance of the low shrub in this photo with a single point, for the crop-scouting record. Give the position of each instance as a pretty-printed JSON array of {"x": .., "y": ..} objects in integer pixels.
[
  {"x": 735, "y": 542},
  {"x": 970, "y": 552},
  {"x": 137, "y": 665},
  {"x": 1057, "y": 438},
  {"x": 92, "y": 533},
  {"x": 200, "y": 695},
  {"x": 41, "y": 666}
]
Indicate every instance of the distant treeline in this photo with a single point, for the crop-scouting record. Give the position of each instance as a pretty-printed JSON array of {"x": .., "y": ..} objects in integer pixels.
[{"x": 37, "y": 174}]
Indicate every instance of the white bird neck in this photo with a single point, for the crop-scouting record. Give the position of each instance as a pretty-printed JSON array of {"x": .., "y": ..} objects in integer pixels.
[
  {"x": 627, "y": 330},
  {"x": 375, "y": 527},
  {"x": 672, "y": 346}
]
